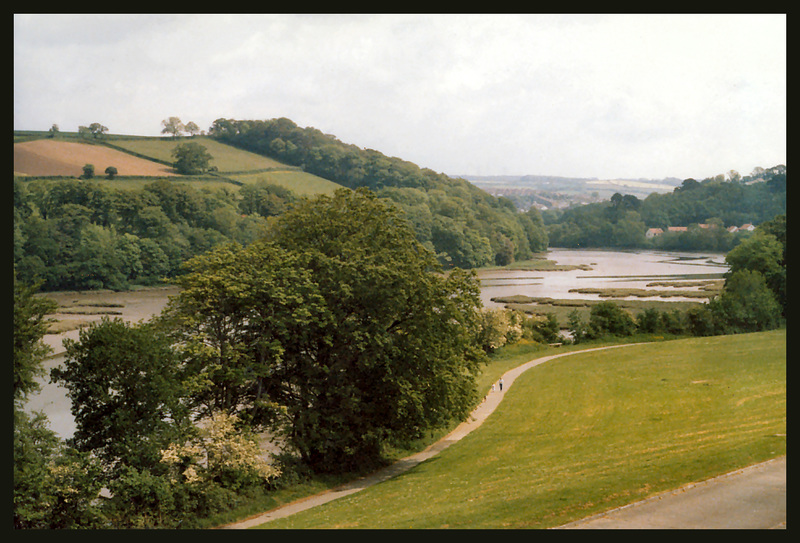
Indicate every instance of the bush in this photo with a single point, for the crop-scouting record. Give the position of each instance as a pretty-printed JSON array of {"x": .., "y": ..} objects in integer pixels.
[
  {"x": 607, "y": 318},
  {"x": 747, "y": 304},
  {"x": 649, "y": 321},
  {"x": 700, "y": 321},
  {"x": 542, "y": 329},
  {"x": 672, "y": 322}
]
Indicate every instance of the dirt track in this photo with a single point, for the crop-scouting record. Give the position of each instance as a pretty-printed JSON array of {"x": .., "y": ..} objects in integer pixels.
[{"x": 51, "y": 157}]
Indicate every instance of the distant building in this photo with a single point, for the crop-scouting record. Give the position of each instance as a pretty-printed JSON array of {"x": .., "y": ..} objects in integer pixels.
[
  {"x": 733, "y": 229},
  {"x": 653, "y": 232},
  {"x": 676, "y": 229},
  {"x": 747, "y": 227}
]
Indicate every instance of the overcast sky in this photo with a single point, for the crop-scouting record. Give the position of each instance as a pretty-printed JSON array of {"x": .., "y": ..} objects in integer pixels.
[{"x": 632, "y": 96}]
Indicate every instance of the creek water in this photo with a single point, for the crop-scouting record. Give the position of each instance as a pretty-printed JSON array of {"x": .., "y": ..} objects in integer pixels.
[{"x": 599, "y": 269}]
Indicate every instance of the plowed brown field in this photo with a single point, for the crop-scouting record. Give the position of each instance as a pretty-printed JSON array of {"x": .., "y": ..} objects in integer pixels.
[{"x": 49, "y": 157}]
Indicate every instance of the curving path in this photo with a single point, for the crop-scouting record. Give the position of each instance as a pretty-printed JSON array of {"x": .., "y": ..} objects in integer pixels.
[
  {"x": 735, "y": 500},
  {"x": 479, "y": 414}
]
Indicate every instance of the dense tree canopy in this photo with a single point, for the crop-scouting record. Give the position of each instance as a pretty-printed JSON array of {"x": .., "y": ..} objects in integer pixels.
[
  {"x": 81, "y": 234},
  {"x": 126, "y": 392},
  {"x": 464, "y": 225},
  {"x": 623, "y": 220},
  {"x": 341, "y": 320}
]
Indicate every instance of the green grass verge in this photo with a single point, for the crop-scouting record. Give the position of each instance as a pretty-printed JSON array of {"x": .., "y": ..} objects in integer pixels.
[{"x": 590, "y": 432}]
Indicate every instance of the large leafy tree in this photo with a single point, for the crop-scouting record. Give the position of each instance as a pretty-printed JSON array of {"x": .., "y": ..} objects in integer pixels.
[
  {"x": 191, "y": 158},
  {"x": 342, "y": 319},
  {"x": 746, "y": 304},
  {"x": 127, "y": 392},
  {"x": 54, "y": 487},
  {"x": 765, "y": 252}
]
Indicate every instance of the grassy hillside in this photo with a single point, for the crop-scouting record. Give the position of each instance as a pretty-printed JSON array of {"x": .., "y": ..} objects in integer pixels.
[
  {"x": 235, "y": 166},
  {"x": 226, "y": 158},
  {"x": 587, "y": 433}
]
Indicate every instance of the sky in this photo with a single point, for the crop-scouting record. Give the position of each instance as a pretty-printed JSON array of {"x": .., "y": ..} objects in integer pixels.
[{"x": 573, "y": 95}]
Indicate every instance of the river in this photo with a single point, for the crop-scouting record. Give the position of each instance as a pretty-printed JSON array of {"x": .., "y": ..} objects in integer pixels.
[{"x": 599, "y": 269}]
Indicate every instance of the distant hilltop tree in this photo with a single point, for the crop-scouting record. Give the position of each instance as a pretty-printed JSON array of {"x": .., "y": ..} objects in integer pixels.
[
  {"x": 192, "y": 128},
  {"x": 172, "y": 126},
  {"x": 175, "y": 127},
  {"x": 94, "y": 130}
]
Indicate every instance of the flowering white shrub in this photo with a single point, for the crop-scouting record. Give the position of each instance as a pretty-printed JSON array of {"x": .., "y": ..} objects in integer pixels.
[
  {"x": 221, "y": 452},
  {"x": 499, "y": 327}
]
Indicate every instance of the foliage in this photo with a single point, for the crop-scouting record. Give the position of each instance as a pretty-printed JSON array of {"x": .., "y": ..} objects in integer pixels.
[
  {"x": 764, "y": 252},
  {"x": 339, "y": 318},
  {"x": 94, "y": 130},
  {"x": 623, "y": 220},
  {"x": 30, "y": 326},
  {"x": 77, "y": 235},
  {"x": 499, "y": 327},
  {"x": 746, "y": 304},
  {"x": 223, "y": 452},
  {"x": 464, "y": 226},
  {"x": 126, "y": 390},
  {"x": 172, "y": 126},
  {"x": 54, "y": 487},
  {"x": 191, "y": 158},
  {"x": 203, "y": 475},
  {"x": 607, "y": 318}
]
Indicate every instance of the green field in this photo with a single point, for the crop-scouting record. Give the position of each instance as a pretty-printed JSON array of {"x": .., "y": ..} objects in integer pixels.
[
  {"x": 236, "y": 164},
  {"x": 590, "y": 432},
  {"x": 226, "y": 158},
  {"x": 299, "y": 182}
]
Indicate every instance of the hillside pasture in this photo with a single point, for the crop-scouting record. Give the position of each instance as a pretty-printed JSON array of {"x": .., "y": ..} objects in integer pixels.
[
  {"x": 47, "y": 157},
  {"x": 226, "y": 158},
  {"x": 299, "y": 182}
]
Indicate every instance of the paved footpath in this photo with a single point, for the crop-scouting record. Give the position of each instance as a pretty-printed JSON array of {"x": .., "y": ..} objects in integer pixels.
[
  {"x": 481, "y": 413},
  {"x": 749, "y": 498}
]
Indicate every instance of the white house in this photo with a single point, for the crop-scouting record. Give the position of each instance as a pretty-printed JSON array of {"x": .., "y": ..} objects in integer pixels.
[{"x": 653, "y": 232}]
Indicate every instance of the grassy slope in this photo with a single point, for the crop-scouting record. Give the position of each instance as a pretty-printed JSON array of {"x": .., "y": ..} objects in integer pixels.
[
  {"x": 226, "y": 158},
  {"x": 232, "y": 163},
  {"x": 237, "y": 164},
  {"x": 590, "y": 432}
]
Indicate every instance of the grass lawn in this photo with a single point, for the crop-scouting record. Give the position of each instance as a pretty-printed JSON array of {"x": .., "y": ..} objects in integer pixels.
[{"x": 590, "y": 432}]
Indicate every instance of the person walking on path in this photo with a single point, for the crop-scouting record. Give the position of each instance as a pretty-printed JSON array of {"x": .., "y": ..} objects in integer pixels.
[{"x": 477, "y": 417}]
